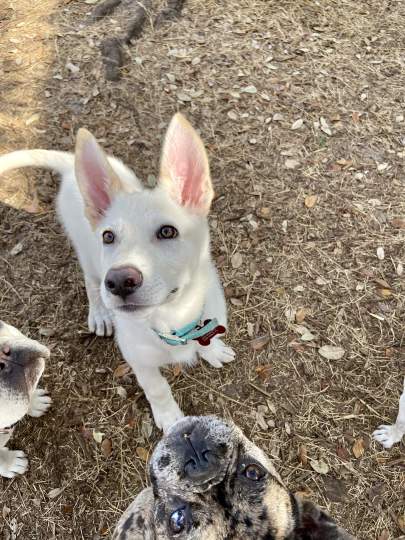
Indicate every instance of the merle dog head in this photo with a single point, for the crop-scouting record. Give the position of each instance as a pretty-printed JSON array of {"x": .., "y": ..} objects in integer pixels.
[
  {"x": 210, "y": 482},
  {"x": 22, "y": 361}
]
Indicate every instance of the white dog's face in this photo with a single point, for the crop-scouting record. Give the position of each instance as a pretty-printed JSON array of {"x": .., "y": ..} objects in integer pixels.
[
  {"x": 22, "y": 361},
  {"x": 152, "y": 240}
]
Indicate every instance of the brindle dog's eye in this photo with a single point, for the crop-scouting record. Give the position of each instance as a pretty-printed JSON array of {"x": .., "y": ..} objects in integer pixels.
[
  {"x": 108, "y": 237},
  {"x": 177, "y": 521},
  {"x": 254, "y": 472},
  {"x": 167, "y": 232}
]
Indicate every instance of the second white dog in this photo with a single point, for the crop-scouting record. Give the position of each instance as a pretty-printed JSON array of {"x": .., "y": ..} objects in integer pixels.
[{"x": 145, "y": 254}]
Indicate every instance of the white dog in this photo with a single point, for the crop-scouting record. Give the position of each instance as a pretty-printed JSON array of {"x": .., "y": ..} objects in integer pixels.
[
  {"x": 391, "y": 434},
  {"x": 22, "y": 361},
  {"x": 145, "y": 254}
]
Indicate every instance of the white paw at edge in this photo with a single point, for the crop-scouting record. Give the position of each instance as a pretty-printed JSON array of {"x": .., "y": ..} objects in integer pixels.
[
  {"x": 387, "y": 435},
  {"x": 12, "y": 463},
  {"x": 40, "y": 403}
]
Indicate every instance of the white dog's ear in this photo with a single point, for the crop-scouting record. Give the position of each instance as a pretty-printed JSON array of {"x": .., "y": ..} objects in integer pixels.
[
  {"x": 97, "y": 181},
  {"x": 184, "y": 168}
]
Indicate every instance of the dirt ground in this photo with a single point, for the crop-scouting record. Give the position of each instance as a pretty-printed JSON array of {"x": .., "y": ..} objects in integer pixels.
[{"x": 301, "y": 106}]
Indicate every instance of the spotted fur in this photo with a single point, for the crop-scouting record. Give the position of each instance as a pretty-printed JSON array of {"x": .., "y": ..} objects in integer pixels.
[{"x": 241, "y": 496}]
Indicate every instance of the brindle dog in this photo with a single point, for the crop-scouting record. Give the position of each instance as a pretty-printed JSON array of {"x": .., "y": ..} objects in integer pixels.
[{"x": 210, "y": 482}]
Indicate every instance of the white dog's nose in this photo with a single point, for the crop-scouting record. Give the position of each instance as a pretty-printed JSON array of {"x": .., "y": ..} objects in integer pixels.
[{"x": 123, "y": 281}]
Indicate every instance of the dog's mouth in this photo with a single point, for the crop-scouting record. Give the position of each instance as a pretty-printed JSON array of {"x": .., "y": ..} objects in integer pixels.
[{"x": 131, "y": 308}]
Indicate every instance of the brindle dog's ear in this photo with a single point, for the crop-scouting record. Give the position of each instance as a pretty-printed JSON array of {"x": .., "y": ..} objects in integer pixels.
[
  {"x": 137, "y": 521},
  {"x": 317, "y": 525}
]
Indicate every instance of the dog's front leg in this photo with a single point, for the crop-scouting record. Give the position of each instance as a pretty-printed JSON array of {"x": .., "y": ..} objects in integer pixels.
[
  {"x": 157, "y": 391},
  {"x": 100, "y": 319}
]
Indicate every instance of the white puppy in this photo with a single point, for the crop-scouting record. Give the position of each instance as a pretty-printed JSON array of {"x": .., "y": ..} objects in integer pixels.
[
  {"x": 389, "y": 435},
  {"x": 22, "y": 362},
  {"x": 145, "y": 254}
]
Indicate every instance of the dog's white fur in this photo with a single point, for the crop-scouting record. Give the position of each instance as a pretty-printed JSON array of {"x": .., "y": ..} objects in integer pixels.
[
  {"x": 19, "y": 394},
  {"x": 100, "y": 193},
  {"x": 388, "y": 435}
]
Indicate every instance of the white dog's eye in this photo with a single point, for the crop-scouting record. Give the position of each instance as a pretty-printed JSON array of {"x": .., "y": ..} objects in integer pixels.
[
  {"x": 167, "y": 232},
  {"x": 108, "y": 237}
]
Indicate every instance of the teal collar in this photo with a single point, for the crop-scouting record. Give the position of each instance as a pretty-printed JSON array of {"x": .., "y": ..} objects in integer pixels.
[{"x": 201, "y": 332}]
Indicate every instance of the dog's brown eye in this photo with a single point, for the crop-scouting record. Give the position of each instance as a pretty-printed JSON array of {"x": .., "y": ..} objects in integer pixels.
[
  {"x": 108, "y": 237},
  {"x": 254, "y": 472},
  {"x": 167, "y": 232}
]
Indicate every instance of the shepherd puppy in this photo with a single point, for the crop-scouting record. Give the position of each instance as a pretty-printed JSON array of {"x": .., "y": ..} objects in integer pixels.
[
  {"x": 22, "y": 361},
  {"x": 145, "y": 254},
  {"x": 209, "y": 482}
]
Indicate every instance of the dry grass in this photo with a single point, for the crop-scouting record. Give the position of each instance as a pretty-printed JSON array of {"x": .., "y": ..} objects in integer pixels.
[{"x": 340, "y": 60}]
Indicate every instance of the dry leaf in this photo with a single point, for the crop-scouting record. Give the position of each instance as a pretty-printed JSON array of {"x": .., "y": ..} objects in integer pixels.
[
  {"x": 97, "y": 436},
  {"x": 177, "y": 370},
  {"x": 258, "y": 343},
  {"x": 121, "y": 392},
  {"x": 142, "y": 453},
  {"x": 400, "y": 269},
  {"x": 384, "y": 284},
  {"x": 331, "y": 352},
  {"x": 342, "y": 453},
  {"x": 291, "y": 164},
  {"x": 398, "y": 223},
  {"x": 236, "y": 260},
  {"x": 358, "y": 448},
  {"x": 380, "y": 253},
  {"x": 249, "y": 89},
  {"x": 297, "y": 124},
  {"x": 54, "y": 493},
  {"x": 384, "y": 293},
  {"x": 311, "y": 200},
  {"x": 300, "y": 315},
  {"x": 385, "y": 535},
  {"x": 325, "y": 127},
  {"x": 335, "y": 489},
  {"x": 264, "y": 372},
  {"x": 122, "y": 370},
  {"x": 319, "y": 466},
  {"x": 106, "y": 448},
  {"x": 182, "y": 96},
  {"x": 303, "y": 455}
]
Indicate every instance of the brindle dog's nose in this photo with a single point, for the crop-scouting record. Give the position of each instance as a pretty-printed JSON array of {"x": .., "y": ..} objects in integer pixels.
[
  {"x": 123, "y": 281},
  {"x": 202, "y": 460}
]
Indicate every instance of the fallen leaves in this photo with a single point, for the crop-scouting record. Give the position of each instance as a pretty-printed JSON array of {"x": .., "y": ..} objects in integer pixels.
[
  {"x": 358, "y": 448},
  {"x": 122, "y": 370},
  {"x": 319, "y": 466},
  {"x": 236, "y": 260},
  {"x": 106, "y": 447},
  {"x": 297, "y": 124},
  {"x": 300, "y": 315},
  {"x": 142, "y": 453},
  {"x": 291, "y": 163},
  {"x": 398, "y": 223},
  {"x": 303, "y": 455},
  {"x": 310, "y": 201},
  {"x": 380, "y": 253},
  {"x": 264, "y": 372},
  {"x": 325, "y": 126},
  {"x": 331, "y": 352},
  {"x": 260, "y": 342}
]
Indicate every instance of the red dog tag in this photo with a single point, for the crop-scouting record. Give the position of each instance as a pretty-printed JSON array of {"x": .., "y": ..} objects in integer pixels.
[{"x": 206, "y": 338}]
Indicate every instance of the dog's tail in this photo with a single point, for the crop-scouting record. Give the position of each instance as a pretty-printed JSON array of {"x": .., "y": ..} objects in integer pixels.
[{"x": 59, "y": 162}]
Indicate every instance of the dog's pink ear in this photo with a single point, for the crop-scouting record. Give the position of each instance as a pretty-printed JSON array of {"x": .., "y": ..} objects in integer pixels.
[
  {"x": 97, "y": 181},
  {"x": 184, "y": 168}
]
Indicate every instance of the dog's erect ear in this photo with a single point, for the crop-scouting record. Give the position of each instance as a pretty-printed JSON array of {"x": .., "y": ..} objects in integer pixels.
[
  {"x": 184, "y": 168},
  {"x": 137, "y": 521},
  {"x": 97, "y": 181}
]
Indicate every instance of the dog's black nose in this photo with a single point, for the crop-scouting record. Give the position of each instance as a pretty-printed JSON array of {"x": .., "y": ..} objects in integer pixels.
[
  {"x": 123, "y": 281},
  {"x": 201, "y": 458}
]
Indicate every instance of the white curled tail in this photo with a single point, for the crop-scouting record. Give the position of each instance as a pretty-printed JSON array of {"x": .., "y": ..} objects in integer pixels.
[{"x": 59, "y": 162}]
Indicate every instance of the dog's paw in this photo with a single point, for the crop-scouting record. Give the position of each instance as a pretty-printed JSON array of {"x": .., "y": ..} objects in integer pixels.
[
  {"x": 100, "y": 321},
  {"x": 12, "y": 462},
  {"x": 217, "y": 353},
  {"x": 40, "y": 403},
  {"x": 166, "y": 417},
  {"x": 388, "y": 435}
]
